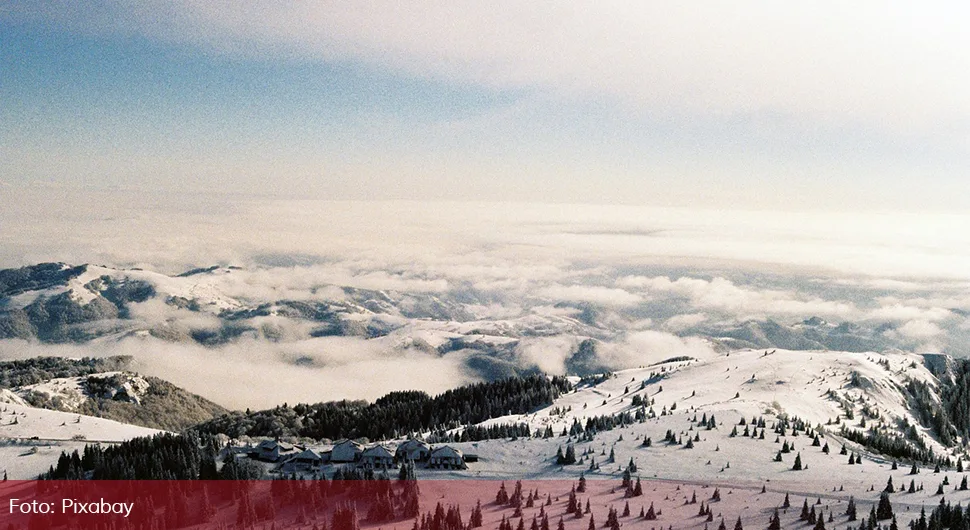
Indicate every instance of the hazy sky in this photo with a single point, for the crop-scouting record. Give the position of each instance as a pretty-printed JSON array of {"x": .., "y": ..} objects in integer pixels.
[{"x": 836, "y": 105}]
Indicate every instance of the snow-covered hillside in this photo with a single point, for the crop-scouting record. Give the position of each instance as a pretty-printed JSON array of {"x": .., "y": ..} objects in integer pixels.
[
  {"x": 31, "y": 439},
  {"x": 815, "y": 387}
]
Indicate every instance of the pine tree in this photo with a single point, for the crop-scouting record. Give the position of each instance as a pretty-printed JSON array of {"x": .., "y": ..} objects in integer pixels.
[
  {"x": 804, "y": 515},
  {"x": 820, "y": 523},
  {"x": 885, "y": 509},
  {"x": 889, "y": 486},
  {"x": 737, "y": 525},
  {"x": 775, "y": 522},
  {"x": 850, "y": 510},
  {"x": 787, "y": 503},
  {"x": 914, "y": 470},
  {"x": 798, "y": 462}
]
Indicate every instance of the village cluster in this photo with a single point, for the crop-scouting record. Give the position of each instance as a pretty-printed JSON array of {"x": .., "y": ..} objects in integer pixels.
[{"x": 296, "y": 459}]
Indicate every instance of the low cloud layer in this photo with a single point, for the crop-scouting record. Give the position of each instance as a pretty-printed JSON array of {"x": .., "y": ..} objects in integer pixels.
[{"x": 522, "y": 286}]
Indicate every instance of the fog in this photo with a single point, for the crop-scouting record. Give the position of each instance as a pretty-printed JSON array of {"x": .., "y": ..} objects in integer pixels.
[{"x": 657, "y": 280}]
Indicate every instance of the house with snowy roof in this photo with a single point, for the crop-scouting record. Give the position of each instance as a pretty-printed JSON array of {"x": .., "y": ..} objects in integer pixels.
[
  {"x": 446, "y": 457},
  {"x": 272, "y": 451},
  {"x": 412, "y": 449},
  {"x": 307, "y": 460},
  {"x": 377, "y": 457},
  {"x": 346, "y": 451}
]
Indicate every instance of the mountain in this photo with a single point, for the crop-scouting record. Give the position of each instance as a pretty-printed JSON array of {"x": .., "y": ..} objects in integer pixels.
[
  {"x": 490, "y": 336},
  {"x": 77, "y": 386}
]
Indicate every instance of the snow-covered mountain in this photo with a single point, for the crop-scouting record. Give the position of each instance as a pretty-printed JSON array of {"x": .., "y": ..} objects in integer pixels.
[{"x": 494, "y": 337}]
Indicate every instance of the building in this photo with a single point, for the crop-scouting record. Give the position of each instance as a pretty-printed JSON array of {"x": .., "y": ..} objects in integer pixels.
[
  {"x": 308, "y": 460},
  {"x": 415, "y": 450},
  {"x": 446, "y": 457},
  {"x": 377, "y": 457},
  {"x": 346, "y": 451},
  {"x": 272, "y": 451}
]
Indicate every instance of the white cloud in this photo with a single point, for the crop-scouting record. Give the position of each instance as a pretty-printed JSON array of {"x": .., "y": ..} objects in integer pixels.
[
  {"x": 597, "y": 295},
  {"x": 682, "y": 322},
  {"x": 920, "y": 329},
  {"x": 547, "y": 353},
  {"x": 646, "y": 347},
  {"x": 825, "y": 61},
  {"x": 723, "y": 295}
]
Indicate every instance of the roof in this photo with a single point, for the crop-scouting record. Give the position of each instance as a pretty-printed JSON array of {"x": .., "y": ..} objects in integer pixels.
[
  {"x": 446, "y": 452},
  {"x": 412, "y": 444},
  {"x": 308, "y": 454},
  {"x": 348, "y": 442},
  {"x": 378, "y": 451},
  {"x": 269, "y": 445}
]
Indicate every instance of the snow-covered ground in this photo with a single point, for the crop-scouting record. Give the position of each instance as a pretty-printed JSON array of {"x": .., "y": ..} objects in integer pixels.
[
  {"x": 31, "y": 439},
  {"x": 815, "y": 387}
]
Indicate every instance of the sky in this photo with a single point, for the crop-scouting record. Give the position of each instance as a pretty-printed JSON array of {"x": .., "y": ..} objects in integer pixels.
[{"x": 757, "y": 105}]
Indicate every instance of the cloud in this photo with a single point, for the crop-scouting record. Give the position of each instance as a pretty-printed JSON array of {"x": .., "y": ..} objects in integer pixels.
[
  {"x": 683, "y": 322},
  {"x": 920, "y": 329},
  {"x": 259, "y": 374},
  {"x": 647, "y": 347},
  {"x": 894, "y": 310},
  {"x": 598, "y": 295},
  {"x": 547, "y": 353},
  {"x": 724, "y": 295},
  {"x": 827, "y": 62}
]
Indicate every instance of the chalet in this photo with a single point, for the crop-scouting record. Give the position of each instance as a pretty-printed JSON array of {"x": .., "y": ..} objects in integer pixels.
[
  {"x": 415, "y": 450},
  {"x": 308, "y": 460},
  {"x": 346, "y": 451},
  {"x": 377, "y": 457},
  {"x": 272, "y": 451},
  {"x": 446, "y": 457}
]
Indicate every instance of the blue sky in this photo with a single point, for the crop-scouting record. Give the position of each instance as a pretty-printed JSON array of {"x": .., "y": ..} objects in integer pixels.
[{"x": 752, "y": 104}]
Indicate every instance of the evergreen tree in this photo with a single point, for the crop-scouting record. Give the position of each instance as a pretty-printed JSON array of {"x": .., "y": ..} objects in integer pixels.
[
  {"x": 798, "y": 462},
  {"x": 889, "y": 486},
  {"x": 570, "y": 456},
  {"x": 787, "y": 503},
  {"x": 850, "y": 510},
  {"x": 885, "y": 509},
  {"x": 737, "y": 525},
  {"x": 820, "y": 523},
  {"x": 774, "y": 523}
]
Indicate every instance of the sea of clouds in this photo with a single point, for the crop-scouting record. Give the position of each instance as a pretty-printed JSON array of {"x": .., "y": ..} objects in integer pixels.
[{"x": 655, "y": 278}]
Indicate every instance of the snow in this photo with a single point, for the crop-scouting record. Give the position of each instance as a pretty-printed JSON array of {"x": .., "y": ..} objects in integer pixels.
[
  {"x": 31, "y": 439},
  {"x": 811, "y": 385}
]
